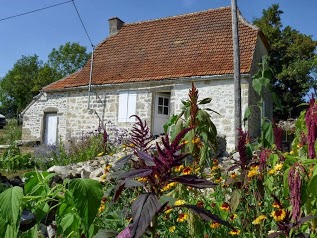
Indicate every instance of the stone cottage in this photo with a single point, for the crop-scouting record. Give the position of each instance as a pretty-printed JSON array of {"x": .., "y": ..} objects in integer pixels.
[{"x": 146, "y": 68}]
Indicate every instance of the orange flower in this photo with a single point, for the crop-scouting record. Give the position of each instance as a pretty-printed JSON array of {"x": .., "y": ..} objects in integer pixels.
[
  {"x": 225, "y": 207},
  {"x": 233, "y": 216},
  {"x": 234, "y": 232},
  {"x": 276, "y": 205},
  {"x": 187, "y": 170},
  {"x": 200, "y": 204},
  {"x": 233, "y": 175},
  {"x": 182, "y": 217},
  {"x": 215, "y": 225}
]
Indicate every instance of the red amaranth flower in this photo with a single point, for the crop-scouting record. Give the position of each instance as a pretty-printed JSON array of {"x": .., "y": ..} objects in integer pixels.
[
  {"x": 294, "y": 183},
  {"x": 278, "y": 134},
  {"x": 311, "y": 124}
]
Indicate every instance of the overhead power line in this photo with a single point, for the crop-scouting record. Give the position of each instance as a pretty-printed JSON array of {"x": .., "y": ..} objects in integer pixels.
[
  {"x": 55, "y": 5},
  {"x": 37, "y": 10},
  {"x": 82, "y": 23}
]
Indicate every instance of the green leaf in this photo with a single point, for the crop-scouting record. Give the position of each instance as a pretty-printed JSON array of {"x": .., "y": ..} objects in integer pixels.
[
  {"x": 268, "y": 136},
  {"x": 312, "y": 185},
  {"x": 36, "y": 183},
  {"x": 87, "y": 194},
  {"x": 171, "y": 121},
  {"x": 235, "y": 200},
  {"x": 247, "y": 114},
  {"x": 10, "y": 201},
  {"x": 69, "y": 223},
  {"x": 205, "y": 101}
]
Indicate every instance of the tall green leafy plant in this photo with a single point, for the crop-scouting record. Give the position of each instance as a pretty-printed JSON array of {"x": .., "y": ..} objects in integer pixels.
[{"x": 201, "y": 141}]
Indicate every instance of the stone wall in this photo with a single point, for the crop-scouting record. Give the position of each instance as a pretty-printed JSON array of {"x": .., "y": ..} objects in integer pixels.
[
  {"x": 222, "y": 94},
  {"x": 76, "y": 119}
]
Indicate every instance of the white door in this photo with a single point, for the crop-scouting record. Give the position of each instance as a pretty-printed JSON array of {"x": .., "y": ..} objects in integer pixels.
[
  {"x": 51, "y": 121},
  {"x": 161, "y": 112}
]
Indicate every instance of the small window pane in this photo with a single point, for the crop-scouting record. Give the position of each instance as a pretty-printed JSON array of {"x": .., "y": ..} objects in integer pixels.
[
  {"x": 165, "y": 101},
  {"x": 165, "y": 110},
  {"x": 160, "y": 101},
  {"x": 160, "y": 110}
]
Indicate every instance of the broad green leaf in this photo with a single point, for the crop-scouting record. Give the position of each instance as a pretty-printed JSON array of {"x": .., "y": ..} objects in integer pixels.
[
  {"x": 69, "y": 223},
  {"x": 171, "y": 121},
  {"x": 312, "y": 186},
  {"x": 87, "y": 194},
  {"x": 10, "y": 201},
  {"x": 268, "y": 136},
  {"x": 36, "y": 183},
  {"x": 11, "y": 232},
  {"x": 235, "y": 200}
]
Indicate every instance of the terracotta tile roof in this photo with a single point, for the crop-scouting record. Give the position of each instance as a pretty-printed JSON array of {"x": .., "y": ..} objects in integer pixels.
[{"x": 194, "y": 44}]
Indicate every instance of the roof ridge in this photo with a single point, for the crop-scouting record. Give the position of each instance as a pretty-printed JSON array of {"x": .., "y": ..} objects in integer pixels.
[
  {"x": 177, "y": 16},
  {"x": 245, "y": 21}
]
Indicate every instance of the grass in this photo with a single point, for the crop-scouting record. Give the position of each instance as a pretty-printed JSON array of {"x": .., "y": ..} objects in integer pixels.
[{"x": 11, "y": 132}]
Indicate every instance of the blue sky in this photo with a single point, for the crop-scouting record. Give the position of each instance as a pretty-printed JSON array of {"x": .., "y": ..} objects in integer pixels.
[{"x": 40, "y": 32}]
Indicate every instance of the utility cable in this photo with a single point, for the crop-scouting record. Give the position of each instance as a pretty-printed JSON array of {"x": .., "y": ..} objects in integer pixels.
[
  {"x": 82, "y": 23},
  {"x": 40, "y": 9}
]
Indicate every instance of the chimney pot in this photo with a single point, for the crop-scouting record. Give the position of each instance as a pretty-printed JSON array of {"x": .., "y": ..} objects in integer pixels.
[{"x": 115, "y": 24}]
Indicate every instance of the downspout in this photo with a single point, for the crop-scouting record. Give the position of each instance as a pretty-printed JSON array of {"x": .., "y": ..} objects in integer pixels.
[{"x": 90, "y": 75}]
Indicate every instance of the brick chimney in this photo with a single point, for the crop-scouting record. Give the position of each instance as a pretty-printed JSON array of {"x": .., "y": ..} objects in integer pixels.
[{"x": 115, "y": 24}]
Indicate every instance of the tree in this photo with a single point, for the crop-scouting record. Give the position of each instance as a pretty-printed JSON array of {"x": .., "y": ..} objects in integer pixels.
[
  {"x": 68, "y": 58},
  {"x": 291, "y": 57},
  {"x": 16, "y": 87},
  {"x": 29, "y": 75}
]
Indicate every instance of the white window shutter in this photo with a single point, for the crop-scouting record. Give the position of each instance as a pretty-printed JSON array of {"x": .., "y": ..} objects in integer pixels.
[
  {"x": 127, "y": 106},
  {"x": 131, "y": 106},
  {"x": 123, "y": 103}
]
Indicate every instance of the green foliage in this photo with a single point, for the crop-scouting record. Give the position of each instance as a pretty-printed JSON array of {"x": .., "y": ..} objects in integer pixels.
[
  {"x": 10, "y": 201},
  {"x": 29, "y": 75},
  {"x": 291, "y": 56},
  {"x": 68, "y": 58}
]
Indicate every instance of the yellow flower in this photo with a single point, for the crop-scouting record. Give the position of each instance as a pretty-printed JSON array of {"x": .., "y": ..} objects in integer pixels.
[
  {"x": 276, "y": 205},
  {"x": 278, "y": 167},
  {"x": 167, "y": 211},
  {"x": 182, "y": 217},
  {"x": 142, "y": 179},
  {"x": 218, "y": 180},
  {"x": 215, "y": 225},
  {"x": 187, "y": 170},
  {"x": 291, "y": 152},
  {"x": 168, "y": 186},
  {"x": 215, "y": 167},
  {"x": 254, "y": 170},
  {"x": 196, "y": 140},
  {"x": 179, "y": 168},
  {"x": 233, "y": 175},
  {"x": 172, "y": 229},
  {"x": 259, "y": 219},
  {"x": 101, "y": 208},
  {"x": 184, "y": 142},
  {"x": 225, "y": 207},
  {"x": 101, "y": 153},
  {"x": 233, "y": 216},
  {"x": 179, "y": 202},
  {"x": 234, "y": 232},
  {"x": 279, "y": 214}
]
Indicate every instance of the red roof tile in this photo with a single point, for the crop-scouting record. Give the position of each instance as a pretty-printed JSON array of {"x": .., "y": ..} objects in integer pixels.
[{"x": 194, "y": 44}]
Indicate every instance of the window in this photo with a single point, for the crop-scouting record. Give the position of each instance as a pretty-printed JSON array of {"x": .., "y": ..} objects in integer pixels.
[
  {"x": 162, "y": 106},
  {"x": 127, "y": 106}
]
